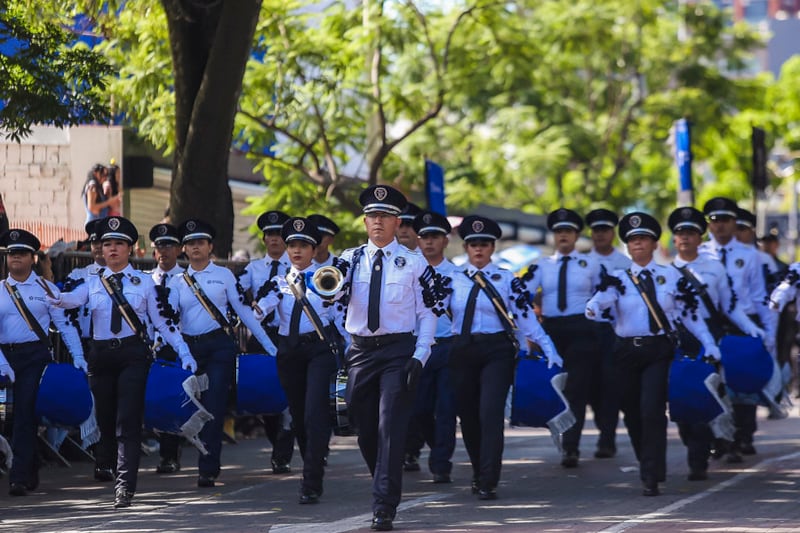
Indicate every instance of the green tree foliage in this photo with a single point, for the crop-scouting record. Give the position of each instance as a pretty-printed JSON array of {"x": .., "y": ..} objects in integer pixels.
[{"x": 46, "y": 78}]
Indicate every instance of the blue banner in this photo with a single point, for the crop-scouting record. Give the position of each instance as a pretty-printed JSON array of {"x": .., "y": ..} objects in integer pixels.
[
  {"x": 683, "y": 158},
  {"x": 434, "y": 187}
]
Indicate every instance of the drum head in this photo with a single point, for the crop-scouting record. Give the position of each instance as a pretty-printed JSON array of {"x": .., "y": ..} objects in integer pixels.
[
  {"x": 64, "y": 398},
  {"x": 258, "y": 389}
]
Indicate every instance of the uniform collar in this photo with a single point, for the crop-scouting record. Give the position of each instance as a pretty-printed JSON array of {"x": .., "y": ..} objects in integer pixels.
[
  {"x": 128, "y": 271},
  {"x": 558, "y": 255},
  {"x": 294, "y": 272},
  {"x": 209, "y": 267},
  {"x": 636, "y": 269},
  {"x": 283, "y": 259},
  {"x": 488, "y": 269},
  {"x": 177, "y": 269},
  {"x": 388, "y": 251},
  {"x": 31, "y": 279}
]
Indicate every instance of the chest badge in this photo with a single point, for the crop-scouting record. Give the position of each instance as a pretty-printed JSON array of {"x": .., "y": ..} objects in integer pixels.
[
  {"x": 135, "y": 280},
  {"x": 660, "y": 280},
  {"x": 496, "y": 277},
  {"x": 739, "y": 263},
  {"x": 581, "y": 263},
  {"x": 399, "y": 262}
]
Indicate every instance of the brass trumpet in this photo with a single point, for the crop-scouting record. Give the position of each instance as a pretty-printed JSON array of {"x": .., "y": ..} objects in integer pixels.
[{"x": 327, "y": 281}]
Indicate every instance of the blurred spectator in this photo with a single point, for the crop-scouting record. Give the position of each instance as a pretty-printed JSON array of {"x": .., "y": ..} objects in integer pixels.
[
  {"x": 112, "y": 187},
  {"x": 241, "y": 256},
  {"x": 3, "y": 217},
  {"x": 95, "y": 201}
]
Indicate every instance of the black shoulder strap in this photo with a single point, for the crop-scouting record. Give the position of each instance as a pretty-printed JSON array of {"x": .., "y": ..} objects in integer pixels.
[
  {"x": 207, "y": 304},
  {"x": 653, "y": 307},
  {"x": 499, "y": 306},
  {"x": 118, "y": 298},
  {"x": 27, "y": 316}
]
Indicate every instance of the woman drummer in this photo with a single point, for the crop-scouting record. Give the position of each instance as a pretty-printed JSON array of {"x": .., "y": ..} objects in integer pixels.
[
  {"x": 201, "y": 296},
  {"x": 119, "y": 359},
  {"x": 484, "y": 350},
  {"x": 647, "y": 299},
  {"x": 305, "y": 361}
]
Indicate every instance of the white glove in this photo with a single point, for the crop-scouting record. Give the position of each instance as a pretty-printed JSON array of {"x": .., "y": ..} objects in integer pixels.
[
  {"x": 712, "y": 352},
  {"x": 258, "y": 312},
  {"x": 188, "y": 363},
  {"x": 754, "y": 331},
  {"x": 592, "y": 311},
  {"x": 6, "y": 370},
  {"x": 80, "y": 363}
]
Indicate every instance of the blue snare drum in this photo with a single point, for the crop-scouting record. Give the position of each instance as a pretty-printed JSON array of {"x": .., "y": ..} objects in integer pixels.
[
  {"x": 258, "y": 389},
  {"x": 747, "y": 366},
  {"x": 64, "y": 398}
]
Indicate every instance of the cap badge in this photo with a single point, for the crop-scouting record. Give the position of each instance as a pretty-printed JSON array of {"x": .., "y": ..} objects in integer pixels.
[
  {"x": 380, "y": 193},
  {"x": 299, "y": 225},
  {"x": 686, "y": 213},
  {"x": 562, "y": 214},
  {"x": 113, "y": 223},
  {"x": 635, "y": 221},
  {"x": 14, "y": 235},
  {"x": 427, "y": 218},
  {"x": 477, "y": 226},
  {"x": 162, "y": 230},
  {"x": 719, "y": 203},
  {"x": 191, "y": 226},
  {"x": 272, "y": 217}
]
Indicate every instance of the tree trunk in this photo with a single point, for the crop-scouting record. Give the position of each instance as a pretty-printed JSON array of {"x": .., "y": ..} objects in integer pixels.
[{"x": 210, "y": 48}]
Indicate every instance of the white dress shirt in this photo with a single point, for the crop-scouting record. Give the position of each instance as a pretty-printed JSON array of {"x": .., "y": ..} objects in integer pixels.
[
  {"x": 257, "y": 272},
  {"x": 583, "y": 276},
  {"x": 616, "y": 260}
]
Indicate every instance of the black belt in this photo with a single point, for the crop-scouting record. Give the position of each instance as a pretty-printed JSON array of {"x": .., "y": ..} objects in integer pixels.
[
  {"x": 637, "y": 342},
  {"x": 311, "y": 337},
  {"x": 13, "y": 346},
  {"x": 566, "y": 318},
  {"x": 380, "y": 340},
  {"x": 442, "y": 340},
  {"x": 204, "y": 336},
  {"x": 113, "y": 344},
  {"x": 484, "y": 337}
]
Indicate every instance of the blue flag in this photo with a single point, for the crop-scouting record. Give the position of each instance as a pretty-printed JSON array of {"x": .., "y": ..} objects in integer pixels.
[
  {"x": 683, "y": 160},
  {"x": 434, "y": 187}
]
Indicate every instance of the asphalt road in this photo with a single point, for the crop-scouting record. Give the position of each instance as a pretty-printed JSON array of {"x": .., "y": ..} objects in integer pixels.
[{"x": 535, "y": 493}]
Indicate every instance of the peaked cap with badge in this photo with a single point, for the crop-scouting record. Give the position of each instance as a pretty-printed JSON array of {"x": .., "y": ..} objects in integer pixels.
[
  {"x": 117, "y": 228},
  {"x": 164, "y": 234},
  {"x": 430, "y": 222},
  {"x": 300, "y": 229},
  {"x": 91, "y": 230},
  {"x": 720, "y": 207},
  {"x": 638, "y": 223},
  {"x": 194, "y": 229},
  {"x": 409, "y": 212},
  {"x": 19, "y": 239},
  {"x": 323, "y": 224},
  {"x": 475, "y": 227},
  {"x": 271, "y": 221},
  {"x": 687, "y": 218},
  {"x": 382, "y": 199},
  {"x": 602, "y": 217},
  {"x": 563, "y": 218},
  {"x": 745, "y": 218}
]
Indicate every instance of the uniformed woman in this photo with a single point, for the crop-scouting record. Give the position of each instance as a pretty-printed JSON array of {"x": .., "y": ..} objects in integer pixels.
[
  {"x": 306, "y": 362},
  {"x": 25, "y": 318},
  {"x": 201, "y": 296},
  {"x": 484, "y": 350},
  {"x": 120, "y": 301},
  {"x": 647, "y": 299}
]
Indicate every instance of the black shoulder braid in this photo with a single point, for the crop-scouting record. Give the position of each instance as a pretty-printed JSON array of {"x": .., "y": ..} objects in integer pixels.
[
  {"x": 792, "y": 277},
  {"x": 607, "y": 280},
  {"x": 342, "y": 265},
  {"x": 346, "y": 286},
  {"x": 266, "y": 288},
  {"x": 520, "y": 295},
  {"x": 72, "y": 315},
  {"x": 172, "y": 316},
  {"x": 243, "y": 294},
  {"x": 688, "y": 295},
  {"x": 435, "y": 289},
  {"x": 734, "y": 297}
]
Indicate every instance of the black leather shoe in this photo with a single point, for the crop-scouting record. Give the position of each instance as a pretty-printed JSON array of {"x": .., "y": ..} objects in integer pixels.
[
  {"x": 103, "y": 474},
  {"x": 411, "y": 464},
  {"x": 747, "y": 448},
  {"x": 604, "y": 453},
  {"x": 122, "y": 499},
  {"x": 281, "y": 468},
  {"x": 442, "y": 478},
  {"x": 487, "y": 494},
  {"x": 308, "y": 496},
  {"x": 205, "y": 481},
  {"x": 569, "y": 459},
  {"x": 381, "y": 521},
  {"x": 33, "y": 483},
  {"x": 168, "y": 466},
  {"x": 18, "y": 489},
  {"x": 698, "y": 475},
  {"x": 650, "y": 488}
]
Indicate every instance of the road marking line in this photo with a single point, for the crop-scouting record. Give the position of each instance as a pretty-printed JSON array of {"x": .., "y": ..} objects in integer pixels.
[
  {"x": 666, "y": 510},
  {"x": 352, "y": 522}
]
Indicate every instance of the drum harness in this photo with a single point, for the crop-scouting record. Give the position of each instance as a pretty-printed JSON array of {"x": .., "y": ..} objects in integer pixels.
[
  {"x": 656, "y": 311},
  {"x": 212, "y": 309},
  {"x": 27, "y": 316},
  {"x": 312, "y": 315},
  {"x": 505, "y": 317},
  {"x": 114, "y": 290}
]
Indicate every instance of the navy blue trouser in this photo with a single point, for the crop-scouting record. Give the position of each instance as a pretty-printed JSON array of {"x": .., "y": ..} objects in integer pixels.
[
  {"x": 575, "y": 341},
  {"x": 305, "y": 372},
  {"x": 216, "y": 357},
  {"x": 698, "y": 439},
  {"x": 604, "y": 396},
  {"x": 434, "y": 416},
  {"x": 644, "y": 372},
  {"x": 380, "y": 406},
  {"x": 28, "y": 361},
  {"x": 117, "y": 378},
  {"x": 483, "y": 370}
]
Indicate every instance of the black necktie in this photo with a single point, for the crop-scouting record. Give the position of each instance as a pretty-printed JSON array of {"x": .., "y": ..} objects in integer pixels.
[
  {"x": 373, "y": 309},
  {"x": 723, "y": 256},
  {"x": 646, "y": 279},
  {"x": 562, "y": 283},
  {"x": 116, "y": 316},
  {"x": 297, "y": 308},
  {"x": 164, "y": 277},
  {"x": 469, "y": 311}
]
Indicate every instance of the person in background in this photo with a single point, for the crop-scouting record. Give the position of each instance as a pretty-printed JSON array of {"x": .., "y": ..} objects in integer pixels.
[
  {"x": 328, "y": 231},
  {"x": 112, "y": 187},
  {"x": 95, "y": 201},
  {"x": 405, "y": 231}
]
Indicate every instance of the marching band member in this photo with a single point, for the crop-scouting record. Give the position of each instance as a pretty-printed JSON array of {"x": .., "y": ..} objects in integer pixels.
[
  {"x": 120, "y": 303},
  {"x": 484, "y": 348},
  {"x": 167, "y": 242},
  {"x": 742, "y": 264},
  {"x": 405, "y": 231},
  {"x": 256, "y": 279},
  {"x": 568, "y": 279},
  {"x": 386, "y": 306},
  {"x": 306, "y": 362},
  {"x": 434, "y": 413},
  {"x": 25, "y": 319},
  {"x": 201, "y": 295},
  {"x": 644, "y": 348},
  {"x": 604, "y": 396},
  {"x": 328, "y": 230},
  {"x": 717, "y": 305}
]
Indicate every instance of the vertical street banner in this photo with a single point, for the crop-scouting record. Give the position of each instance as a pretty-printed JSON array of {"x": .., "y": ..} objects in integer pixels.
[
  {"x": 682, "y": 151},
  {"x": 434, "y": 187},
  {"x": 759, "y": 144}
]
